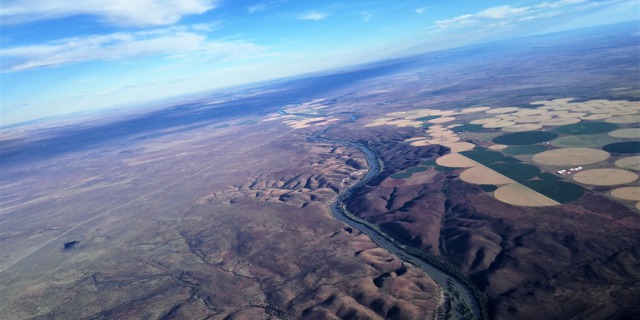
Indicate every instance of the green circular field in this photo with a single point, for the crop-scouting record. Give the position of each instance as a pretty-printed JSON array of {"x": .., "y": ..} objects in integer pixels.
[
  {"x": 586, "y": 128},
  {"x": 559, "y": 191},
  {"x": 401, "y": 175},
  {"x": 515, "y": 171},
  {"x": 483, "y": 156},
  {"x": 467, "y": 127},
  {"x": 623, "y": 147},
  {"x": 429, "y": 162},
  {"x": 525, "y": 137},
  {"x": 417, "y": 169},
  {"x": 582, "y": 141},
  {"x": 524, "y": 149}
]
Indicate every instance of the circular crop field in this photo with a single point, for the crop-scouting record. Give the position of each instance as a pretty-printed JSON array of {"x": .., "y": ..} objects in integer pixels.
[
  {"x": 624, "y": 119},
  {"x": 582, "y": 141},
  {"x": 605, "y": 177},
  {"x": 559, "y": 191},
  {"x": 627, "y": 193},
  {"x": 483, "y": 156},
  {"x": 467, "y": 127},
  {"x": 586, "y": 128},
  {"x": 524, "y": 149},
  {"x": 417, "y": 169},
  {"x": 401, "y": 175},
  {"x": 484, "y": 175},
  {"x": 628, "y": 133},
  {"x": 459, "y": 146},
  {"x": 571, "y": 156},
  {"x": 456, "y": 160},
  {"x": 623, "y": 147},
  {"x": 630, "y": 163},
  {"x": 559, "y": 121},
  {"x": 522, "y": 127},
  {"x": 515, "y": 171},
  {"x": 520, "y": 195},
  {"x": 526, "y": 137}
]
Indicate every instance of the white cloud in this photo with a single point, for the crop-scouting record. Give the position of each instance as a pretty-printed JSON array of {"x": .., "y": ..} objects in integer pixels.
[
  {"x": 558, "y": 3},
  {"x": 115, "y": 12},
  {"x": 314, "y": 16},
  {"x": 257, "y": 8},
  {"x": 505, "y": 15},
  {"x": 421, "y": 10},
  {"x": 501, "y": 12},
  {"x": 177, "y": 42}
]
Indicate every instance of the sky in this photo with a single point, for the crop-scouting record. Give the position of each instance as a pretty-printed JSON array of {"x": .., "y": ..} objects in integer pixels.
[{"x": 61, "y": 56}]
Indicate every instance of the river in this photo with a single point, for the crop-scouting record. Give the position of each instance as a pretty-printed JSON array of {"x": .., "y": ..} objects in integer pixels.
[{"x": 461, "y": 302}]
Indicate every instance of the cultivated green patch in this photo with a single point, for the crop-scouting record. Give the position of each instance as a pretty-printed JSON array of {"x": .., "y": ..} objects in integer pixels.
[
  {"x": 515, "y": 171},
  {"x": 524, "y": 149},
  {"x": 582, "y": 141},
  {"x": 623, "y": 147},
  {"x": 401, "y": 175},
  {"x": 467, "y": 127},
  {"x": 586, "y": 128},
  {"x": 559, "y": 191},
  {"x": 417, "y": 169},
  {"x": 488, "y": 187},
  {"x": 525, "y": 137},
  {"x": 483, "y": 156}
]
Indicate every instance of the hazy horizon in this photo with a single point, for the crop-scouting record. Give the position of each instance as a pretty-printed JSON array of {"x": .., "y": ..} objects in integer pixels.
[{"x": 128, "y": 54}]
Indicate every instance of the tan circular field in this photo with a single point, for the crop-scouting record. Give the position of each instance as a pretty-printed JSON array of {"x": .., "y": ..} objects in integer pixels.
[
  {"x": 442, "y": 120},
  {"x": 619, "y": 112},
  {"x": 444, "y": 139},
  {"x": 522, "y": 127},
  {"x": 498, "y": 124},
  {"x": 483, "y": 121},
  {"x": 484, "y": 175},
  {"x": 605, "y": 177},
  {"x": 572, "y": 115},
  {"x": 555, "y": 112},
  {"x": 527, "y": 112},
  {"x": 502, "y": 110},
  {"x": 498, "y": 146},
  {"x": 627, "y": 193},
  {"x": 629, "y": 163},
  {"x": 520, "y": 195},
  {"x": 628, "y": 133},
  {"x": 624, "y": 119},
  {"x": 532, "y": 119},
  {"x": 475, "y": 109},
  {"x": 559, "y": 121},
  {"x": 456, "y": 160},
  {"x": 459, "y": 146},
  {"x": 571, "y": 156}
]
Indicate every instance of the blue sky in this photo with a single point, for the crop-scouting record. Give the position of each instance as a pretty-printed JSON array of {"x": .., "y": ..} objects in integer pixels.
[{"x": 61, "y": 56}]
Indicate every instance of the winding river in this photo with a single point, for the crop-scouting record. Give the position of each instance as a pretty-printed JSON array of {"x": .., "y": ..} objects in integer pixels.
[{"x": 461, "y": 302}]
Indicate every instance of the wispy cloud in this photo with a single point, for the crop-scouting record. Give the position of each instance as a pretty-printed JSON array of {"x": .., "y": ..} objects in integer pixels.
[
  {"x": 176, "y": 42},
  {"x": 504, "y": 15},
  {"x": 115, "y": 12},
  {"x": 314, "y": 16},
  {"x": 421, "y": 10}
]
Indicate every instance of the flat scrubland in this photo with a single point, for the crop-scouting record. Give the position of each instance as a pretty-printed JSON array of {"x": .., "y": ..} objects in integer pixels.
[{"x": 227, "y": 223}]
